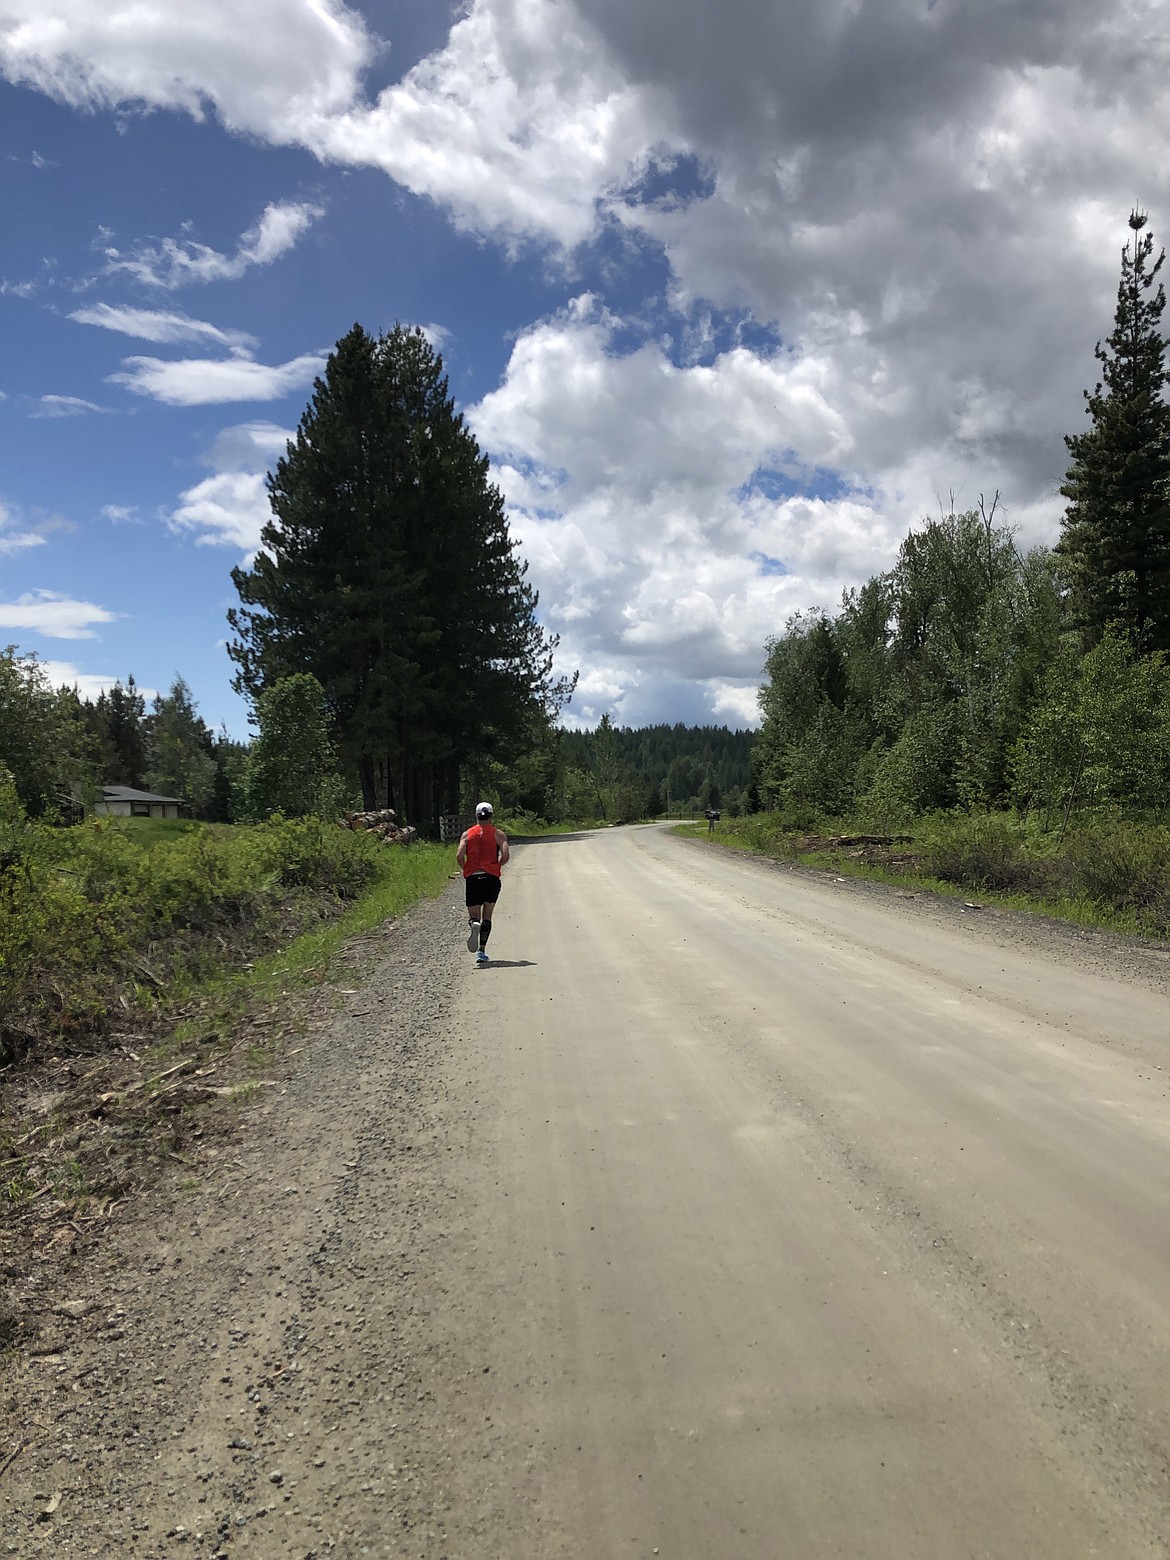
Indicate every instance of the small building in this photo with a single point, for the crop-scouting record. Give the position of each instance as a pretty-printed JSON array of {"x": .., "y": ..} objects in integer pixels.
[{"x": 123, "y": 801}]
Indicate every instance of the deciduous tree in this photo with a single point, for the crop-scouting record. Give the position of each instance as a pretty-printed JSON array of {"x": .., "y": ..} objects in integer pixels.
[{"x": 290, "y": 766}]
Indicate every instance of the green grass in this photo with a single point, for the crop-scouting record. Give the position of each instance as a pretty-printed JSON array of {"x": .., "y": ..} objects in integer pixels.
[
  {"x": 761, "y": 836},
  {"x": 149, "y": 832},
  {"x": 403, "y": 877}
]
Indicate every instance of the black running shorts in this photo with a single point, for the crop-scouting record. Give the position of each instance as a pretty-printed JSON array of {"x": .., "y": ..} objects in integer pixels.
[{"x": 483, "y": 888}]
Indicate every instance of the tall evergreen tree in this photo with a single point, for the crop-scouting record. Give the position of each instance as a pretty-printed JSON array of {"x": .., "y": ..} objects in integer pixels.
[
  {"x": 118, "y": 721},
  {"x": 181, "y": 749},
  {"x": 1116, "y": 541},
  {"x": 387, "y": 572}
]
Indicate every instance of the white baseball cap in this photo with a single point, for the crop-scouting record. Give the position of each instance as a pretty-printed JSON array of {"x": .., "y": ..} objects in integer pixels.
[{"x": 483, "y": 809}]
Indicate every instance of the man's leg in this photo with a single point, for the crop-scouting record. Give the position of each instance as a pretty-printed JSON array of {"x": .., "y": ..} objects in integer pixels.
[
  {"x": 485, "y": 925},
  {"x": 474, "y": 912}
]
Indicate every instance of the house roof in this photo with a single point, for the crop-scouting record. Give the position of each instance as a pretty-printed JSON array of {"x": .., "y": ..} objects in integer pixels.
[{"x": 127, "y": 793}]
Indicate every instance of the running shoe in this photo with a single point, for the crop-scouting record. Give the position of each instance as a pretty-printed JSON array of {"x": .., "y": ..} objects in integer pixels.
[
  {"x": 482, "y": 958},
  {"x": 473, "y": 936}
]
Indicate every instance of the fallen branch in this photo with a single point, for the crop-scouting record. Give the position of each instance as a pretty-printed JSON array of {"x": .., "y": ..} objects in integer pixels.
[{"x": 11, "y": 1458}]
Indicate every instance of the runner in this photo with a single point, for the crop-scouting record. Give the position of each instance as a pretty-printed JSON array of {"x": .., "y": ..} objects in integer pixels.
[{"x": 483, "y": 850}]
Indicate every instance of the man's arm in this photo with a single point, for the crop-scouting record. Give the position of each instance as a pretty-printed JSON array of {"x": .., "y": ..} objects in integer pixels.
[
  {"x": 502, "y": 847},
  {"x": 461, "y": 853}
]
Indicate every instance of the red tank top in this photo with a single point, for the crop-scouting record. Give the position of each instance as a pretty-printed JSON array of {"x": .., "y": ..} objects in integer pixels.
[{"x": 482, "y": 850}]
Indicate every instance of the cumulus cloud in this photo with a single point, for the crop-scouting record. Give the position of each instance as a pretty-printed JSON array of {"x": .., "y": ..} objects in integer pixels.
[
  {"x": 925, "y": 201},
  {"x": 211, "y": 381},
  {"x": 230, "y": 507},
  {"x": 177, "y": 262},
  {"x": 90, "y": 685},
  {"x": 671, "y": 515},
  {"x": 53, "y": 615},
  {"x": 518, "y": 125},
  {"x": 293, "y": 63},
  {"x": 160, "y": 326}
]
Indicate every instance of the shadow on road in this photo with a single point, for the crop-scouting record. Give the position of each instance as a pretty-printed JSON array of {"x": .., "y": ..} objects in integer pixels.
[{"x": 509, "y": 964}]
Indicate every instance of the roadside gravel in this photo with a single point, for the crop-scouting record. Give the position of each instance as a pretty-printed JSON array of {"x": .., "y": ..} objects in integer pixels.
[{"x": 270, "y": 1361}]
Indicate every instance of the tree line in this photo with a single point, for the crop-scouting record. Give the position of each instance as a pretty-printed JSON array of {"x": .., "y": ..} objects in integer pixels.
[
  {"x": 972, "y": 674},
  {"x": 60, "y": 748}
]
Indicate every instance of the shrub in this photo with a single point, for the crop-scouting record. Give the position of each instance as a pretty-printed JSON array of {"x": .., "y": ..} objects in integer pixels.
[
  {"x": 983, "y": 850},
  {"x": 80, "y": 907},
  {"x": 1124, "y": 866}
]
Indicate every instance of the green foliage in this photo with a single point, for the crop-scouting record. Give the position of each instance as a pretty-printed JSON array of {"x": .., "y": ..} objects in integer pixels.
[
  {"x": 1110, "y": 871},
  {"x": 913, "y": 696},
  {"x": 388, "y": 573},
  {"x": 1124, "y": 865},
  {"x": 44, "y": 744},
  {"x": 290, "y": 767},
  {"x": 119, "y": 725},
  {"x": 916, "y": 773},
  {"x": 180, "y": 750},
  {"x": 1099, "y": 735},
  {"x": 79, "y": 907},
  {"x": 1116, "y": 540}
]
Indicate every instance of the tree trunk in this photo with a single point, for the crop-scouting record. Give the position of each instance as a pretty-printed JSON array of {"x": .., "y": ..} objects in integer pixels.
[{"x": 366, "y": 775}]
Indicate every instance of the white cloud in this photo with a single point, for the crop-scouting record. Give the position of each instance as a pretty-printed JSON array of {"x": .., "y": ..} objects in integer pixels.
[
  {"x": 645, "y": 497},
  {"x": 518, "y": 125},
  {"x": 210, "y": 382},
  {"x": 90, "y": 685},
  {"x": 437, "y": 335},
  {"x": 230, "y": 507},
  {"x": 119, "y": 514},
  {"x": 288, "y": 64},
  {"x": 927, "y": 201},
  {"x": 65, "y": 406},
  {"x": 250, "y": 446},
  {"x": 14, "y": 537},
  {"x": 53, "y": 615},
  {"x": 177, "y": 262},
  {"x": 160, "y": 326}
]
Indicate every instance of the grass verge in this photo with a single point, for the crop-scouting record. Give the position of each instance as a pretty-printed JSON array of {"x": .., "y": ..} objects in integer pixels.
[
  {"x": 81, "y": 1131},
  {"x": 1110, "y": 872}
]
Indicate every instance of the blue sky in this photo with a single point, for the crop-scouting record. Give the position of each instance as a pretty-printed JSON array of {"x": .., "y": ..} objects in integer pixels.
[{"x": 731, "y": 300}]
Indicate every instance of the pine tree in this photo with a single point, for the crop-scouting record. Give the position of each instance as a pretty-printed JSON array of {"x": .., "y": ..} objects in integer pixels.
[
  {"x": 1116, "y": 541},
  {"x": 118, "y": 722},
  {"x": 180, "y": 749},
  {"x": 387, "y": 572}
]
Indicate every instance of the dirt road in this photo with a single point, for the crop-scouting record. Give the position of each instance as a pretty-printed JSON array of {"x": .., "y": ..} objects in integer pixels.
[{"x": 730, "y": 1214}]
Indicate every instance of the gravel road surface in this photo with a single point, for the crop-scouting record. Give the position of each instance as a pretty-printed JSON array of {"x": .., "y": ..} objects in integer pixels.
[{"x": 730, "y": 1213}]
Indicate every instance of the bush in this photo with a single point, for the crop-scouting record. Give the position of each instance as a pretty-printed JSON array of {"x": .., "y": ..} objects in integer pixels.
[
  {"x": 1123, "y": 866},
  {"x": 979, "y": 851},
  {"x": 89, "y": 912}
]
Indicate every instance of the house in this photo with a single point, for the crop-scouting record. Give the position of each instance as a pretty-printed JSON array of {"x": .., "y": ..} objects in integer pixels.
[{"x": 123, "y": 801}]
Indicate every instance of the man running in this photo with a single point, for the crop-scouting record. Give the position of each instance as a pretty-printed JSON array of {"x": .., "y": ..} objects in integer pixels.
[{"x": 483, "y": 850}]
